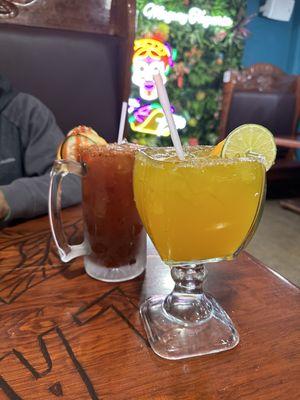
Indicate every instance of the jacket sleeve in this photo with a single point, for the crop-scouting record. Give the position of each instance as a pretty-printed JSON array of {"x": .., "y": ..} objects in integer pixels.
[{"x": 40, "y": 136}]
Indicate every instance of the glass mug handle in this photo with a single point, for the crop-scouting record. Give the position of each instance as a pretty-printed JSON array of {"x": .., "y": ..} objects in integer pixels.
[{"x": 60, "y": 169}]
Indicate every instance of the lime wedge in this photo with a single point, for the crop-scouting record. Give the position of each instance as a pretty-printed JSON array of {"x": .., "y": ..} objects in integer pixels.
[{"x": 250, "y": 140}]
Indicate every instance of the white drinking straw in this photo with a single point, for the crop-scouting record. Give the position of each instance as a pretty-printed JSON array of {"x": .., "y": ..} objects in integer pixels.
[
  {"x": 122, "y": 122},
  {"x": 165, "y": 103}
]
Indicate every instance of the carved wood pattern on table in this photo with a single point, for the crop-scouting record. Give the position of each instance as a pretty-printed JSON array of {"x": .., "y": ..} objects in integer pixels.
[
  {"x": 112, "y": 17},
  {"x": 8, "y": 9},
  {"x": 65, "y": 335},
  {"x": 35, "y": 261}
]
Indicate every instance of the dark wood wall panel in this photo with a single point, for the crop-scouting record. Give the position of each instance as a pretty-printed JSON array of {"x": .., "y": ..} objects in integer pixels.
[{"x": 79, "y": 15}]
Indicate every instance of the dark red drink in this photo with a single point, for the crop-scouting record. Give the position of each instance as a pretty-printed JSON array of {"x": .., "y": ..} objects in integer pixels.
[{"x": 112, "y": 225}]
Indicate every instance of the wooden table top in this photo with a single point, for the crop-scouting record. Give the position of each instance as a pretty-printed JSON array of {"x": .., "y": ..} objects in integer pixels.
[{"x": 63, "y": 334}]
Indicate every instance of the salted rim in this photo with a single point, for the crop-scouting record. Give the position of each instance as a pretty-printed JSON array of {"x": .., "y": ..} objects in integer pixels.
[
  {"x": 110, "y": 148},
  {"x": 203, "y": 160}
]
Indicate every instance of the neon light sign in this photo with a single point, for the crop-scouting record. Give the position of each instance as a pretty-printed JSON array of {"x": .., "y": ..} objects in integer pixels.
[
  {"x": 150, "y": 56},
  {"x": 194, "y": 16}
]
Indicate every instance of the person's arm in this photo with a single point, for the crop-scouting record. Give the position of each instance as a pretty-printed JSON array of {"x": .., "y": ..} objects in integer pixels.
[
  {"x": 27, "y": 197},
  {"x": 4, "y": 208}
]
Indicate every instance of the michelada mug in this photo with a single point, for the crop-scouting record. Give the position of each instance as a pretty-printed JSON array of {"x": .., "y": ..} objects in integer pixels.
[{"x": 114, "y": 246}]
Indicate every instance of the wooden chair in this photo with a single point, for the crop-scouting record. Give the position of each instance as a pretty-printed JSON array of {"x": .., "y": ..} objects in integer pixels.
[
  {"x": 264, "y": 94},
  {"x": 75, "y": 56},
  {"x": 294, "y": 203}
]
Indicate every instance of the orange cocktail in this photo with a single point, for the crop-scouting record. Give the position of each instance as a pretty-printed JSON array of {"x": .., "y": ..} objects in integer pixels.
[{"x": 202, "y": 208}]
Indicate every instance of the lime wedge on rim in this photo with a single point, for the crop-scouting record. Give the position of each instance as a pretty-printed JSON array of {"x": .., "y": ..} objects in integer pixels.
[{"x": 250, "y": 140}]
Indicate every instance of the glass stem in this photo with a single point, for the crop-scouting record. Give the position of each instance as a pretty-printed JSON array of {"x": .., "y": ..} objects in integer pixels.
[{"x": 187, "y": 303}]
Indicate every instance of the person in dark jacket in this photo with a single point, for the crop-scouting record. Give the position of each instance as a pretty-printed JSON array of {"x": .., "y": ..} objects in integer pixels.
[{"x": 29, "y": 138}]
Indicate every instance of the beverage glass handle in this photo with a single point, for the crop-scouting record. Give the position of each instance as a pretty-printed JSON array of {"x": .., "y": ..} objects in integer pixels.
[{"x": 60, "y": 169}]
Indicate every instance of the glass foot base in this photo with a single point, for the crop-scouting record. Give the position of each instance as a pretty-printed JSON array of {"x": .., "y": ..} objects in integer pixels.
[
  {"x": 173, "y": 339},
  {"x": 119, "y": 274}
]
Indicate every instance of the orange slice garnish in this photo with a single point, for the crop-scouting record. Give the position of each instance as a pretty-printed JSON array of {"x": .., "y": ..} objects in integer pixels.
[{"x": 217, "y": 150}]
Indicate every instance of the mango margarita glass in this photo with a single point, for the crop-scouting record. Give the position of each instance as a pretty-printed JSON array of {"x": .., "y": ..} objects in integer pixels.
[{"x": 199, "y": 209}]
